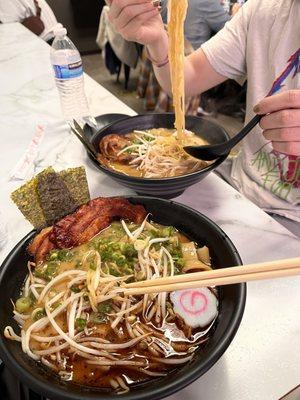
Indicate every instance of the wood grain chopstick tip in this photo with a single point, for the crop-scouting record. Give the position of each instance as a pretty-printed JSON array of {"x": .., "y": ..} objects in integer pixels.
[{"x": 218, "y": 277}]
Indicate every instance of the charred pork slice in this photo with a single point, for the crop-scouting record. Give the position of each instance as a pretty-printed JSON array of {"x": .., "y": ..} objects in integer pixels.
[
  {"x": 84, "y": 224},
  {"x": 111, "y": 146}
]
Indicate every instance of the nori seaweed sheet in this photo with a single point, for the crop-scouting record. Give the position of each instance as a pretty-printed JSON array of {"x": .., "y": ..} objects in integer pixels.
[
  {"x": 50, "y": 196},
  {"x": 54, "y": 196},
  {"x": 27, "y": 200},
  {"x": 76, "y": 181}
]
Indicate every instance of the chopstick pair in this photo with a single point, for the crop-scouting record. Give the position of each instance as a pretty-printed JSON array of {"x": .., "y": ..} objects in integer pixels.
[
  {"x": 217, "y": 277},
  {"x": 79, "y": 133},
  {"x": 157, "y": 3}
]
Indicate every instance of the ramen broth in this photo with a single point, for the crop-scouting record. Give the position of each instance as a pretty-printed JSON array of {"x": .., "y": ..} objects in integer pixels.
[
  {"x": 153, "y": 153},
  {"x": 170, "y": 343}
]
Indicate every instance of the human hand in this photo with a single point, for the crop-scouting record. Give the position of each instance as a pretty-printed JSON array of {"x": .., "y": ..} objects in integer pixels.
[
  {"x": 34, "y": 24},
  {"x": 281, "y": 124},
  {"x": 136, "y": 20},
  {"x": 235, "y": 8}
]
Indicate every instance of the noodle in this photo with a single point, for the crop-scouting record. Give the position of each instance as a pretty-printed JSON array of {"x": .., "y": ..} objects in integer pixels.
[
  {"x": 177, "y": 12},
  {"x": 153, "y": 153},
  {"x": 83, "y": 325}
]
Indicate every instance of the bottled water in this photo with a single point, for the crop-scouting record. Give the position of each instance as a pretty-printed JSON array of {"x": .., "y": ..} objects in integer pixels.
[{"x": 67, "y": 65}]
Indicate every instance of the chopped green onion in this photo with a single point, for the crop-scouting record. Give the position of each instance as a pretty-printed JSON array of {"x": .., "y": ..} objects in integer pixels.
[
  {"x": 113, "y": 271},
  {"x": 60, "y": 255},
  {"x": 53, "y": 256},
  {"x": 92, "y": 266},
  {"x": 56, "y": 305},
  {"x": 80, "y": 324},
  {"x": 51, "y": 269},
  {"x": 129, "y": 251},
  {"x": 32, "y": 297},
  {"x": 104, "y": 307},
  {"x": 75, "y": 289},
  {"x": 114, "y": 246},
  {"x": 120, "y": 260},
  {"x": 180, "y": 262},
  {"x": 168, "y": 231},
  {"x": 148, "y": 138},
  {"x": 39, "y": 314},
  {"x": 23, "y": 304},
  {"x": 127, "y": 270},
  {"x": 98, "y": 318}
]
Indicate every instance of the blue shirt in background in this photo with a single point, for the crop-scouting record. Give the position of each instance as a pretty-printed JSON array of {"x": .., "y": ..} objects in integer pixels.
[{"x": 204, "y": 17}]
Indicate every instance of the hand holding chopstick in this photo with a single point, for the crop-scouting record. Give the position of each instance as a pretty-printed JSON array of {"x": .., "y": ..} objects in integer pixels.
[{"x": 217, "y": 277}]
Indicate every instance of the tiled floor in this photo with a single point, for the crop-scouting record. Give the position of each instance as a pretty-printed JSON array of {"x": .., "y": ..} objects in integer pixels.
[{"x": 94, "y": 66}]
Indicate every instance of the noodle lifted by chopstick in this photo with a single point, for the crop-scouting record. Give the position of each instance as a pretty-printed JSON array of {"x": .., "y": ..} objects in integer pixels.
[{"x": 177, "y": 12}]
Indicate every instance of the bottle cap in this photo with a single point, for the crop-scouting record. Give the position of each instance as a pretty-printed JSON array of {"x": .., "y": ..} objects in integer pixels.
[{"x": 60, "y": 31}]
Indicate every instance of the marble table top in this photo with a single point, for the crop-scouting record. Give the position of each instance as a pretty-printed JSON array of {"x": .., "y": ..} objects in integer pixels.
[{"x": 262, "y": 362}]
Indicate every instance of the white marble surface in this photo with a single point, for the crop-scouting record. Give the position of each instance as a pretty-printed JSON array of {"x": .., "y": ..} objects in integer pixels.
[{"x": 262, "y": 363}]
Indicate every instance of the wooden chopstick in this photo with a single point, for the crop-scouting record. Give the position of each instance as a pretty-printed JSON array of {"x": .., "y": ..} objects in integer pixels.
[
  {"x": 229, "y": 280},
  {"x": 156, "y": 3},
  {"x": 222, "y": 272},
  {"x": 85, "y": 143},
  {"x": 219, "y": 277}
]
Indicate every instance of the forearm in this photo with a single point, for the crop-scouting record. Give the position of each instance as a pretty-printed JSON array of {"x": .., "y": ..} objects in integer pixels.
[
  {"x": 198, "y": 73},
  {"x": 139, "y": 21},
  {"x": 158, "y": 52}
]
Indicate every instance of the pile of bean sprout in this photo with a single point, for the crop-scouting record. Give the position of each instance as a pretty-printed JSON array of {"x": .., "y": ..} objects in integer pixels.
[
  {"x": 54, "y": 337},
  {"x": 158, "y": 156}
]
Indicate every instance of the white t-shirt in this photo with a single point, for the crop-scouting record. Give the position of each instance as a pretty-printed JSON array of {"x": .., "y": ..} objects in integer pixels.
[
  {"x": 18, "y": 10},
  {"x": 257, "y": 45}
]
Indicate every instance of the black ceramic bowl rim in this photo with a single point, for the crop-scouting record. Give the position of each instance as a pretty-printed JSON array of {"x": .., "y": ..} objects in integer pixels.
[
  {"x": 152, "y": 392},
  {"x": 139, "y": 179}
]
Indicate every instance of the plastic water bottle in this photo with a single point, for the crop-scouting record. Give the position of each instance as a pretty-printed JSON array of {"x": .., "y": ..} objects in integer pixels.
[{"x": 67, "y": 65}]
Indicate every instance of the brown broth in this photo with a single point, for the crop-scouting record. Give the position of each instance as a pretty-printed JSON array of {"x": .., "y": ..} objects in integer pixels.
[
  {"x": 98, "y": 376},
  {"x": 130, "y": 170},
  {"x": 125, "y": 169},
  {"x": 179, "y": 336}
]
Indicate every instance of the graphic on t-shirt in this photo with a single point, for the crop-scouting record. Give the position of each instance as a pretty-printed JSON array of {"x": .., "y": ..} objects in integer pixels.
[
  {"x": 293, "y": 66},
  {"x": 280, "y": 173}
]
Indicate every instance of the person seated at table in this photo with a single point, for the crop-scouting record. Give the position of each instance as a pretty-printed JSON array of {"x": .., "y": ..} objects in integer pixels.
[
  {"x": 260, "y": 41},
  {"x": 36, "y": 15},
  {"x": 204, "y": 17}
]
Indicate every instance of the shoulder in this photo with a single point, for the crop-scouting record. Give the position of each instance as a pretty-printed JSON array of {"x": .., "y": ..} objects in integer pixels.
[{"x": 263, "y": 9}]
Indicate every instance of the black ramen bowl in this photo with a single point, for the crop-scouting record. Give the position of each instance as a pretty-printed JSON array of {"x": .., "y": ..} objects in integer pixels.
[
  {"x": 231, "y": 299},
  {"x": 161, "y": 187}
]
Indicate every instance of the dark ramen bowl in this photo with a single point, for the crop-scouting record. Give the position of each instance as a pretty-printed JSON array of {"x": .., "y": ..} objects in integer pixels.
[
  {"x": 161, "y": 187},
  {"x": 231, "y": 298}
]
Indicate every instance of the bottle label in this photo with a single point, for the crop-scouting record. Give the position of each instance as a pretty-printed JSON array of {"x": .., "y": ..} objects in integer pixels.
[{"x": 68, "y": 71}]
